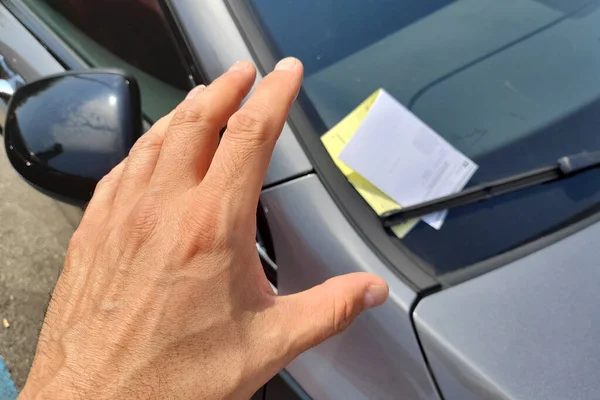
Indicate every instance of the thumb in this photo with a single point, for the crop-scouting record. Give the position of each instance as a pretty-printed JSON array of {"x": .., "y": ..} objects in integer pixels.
[{"x": 327, "y": 309}]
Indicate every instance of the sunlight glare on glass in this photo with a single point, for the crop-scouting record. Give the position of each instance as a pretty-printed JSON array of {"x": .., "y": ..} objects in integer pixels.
[{"x": 112, "y": 100}]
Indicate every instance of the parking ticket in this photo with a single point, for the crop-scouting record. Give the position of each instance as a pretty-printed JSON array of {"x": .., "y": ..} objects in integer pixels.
[{"x": 406, "y": 159}]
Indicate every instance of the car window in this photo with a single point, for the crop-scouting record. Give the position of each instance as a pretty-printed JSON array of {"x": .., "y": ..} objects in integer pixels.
[
  {"x": 513, "y": 84},
  {"x": 132, "y": 35}
]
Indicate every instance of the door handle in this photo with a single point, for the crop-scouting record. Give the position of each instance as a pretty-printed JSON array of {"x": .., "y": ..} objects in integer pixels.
[{"x": 10, "y": 81}]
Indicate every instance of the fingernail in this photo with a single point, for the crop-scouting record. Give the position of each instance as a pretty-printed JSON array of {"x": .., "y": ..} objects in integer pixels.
[
  {"x": 239, "y": 66},
  {"x": 287, "y": 63},
  {"x": 194, "y": 92},
  {"x": 375, "y": 295}
]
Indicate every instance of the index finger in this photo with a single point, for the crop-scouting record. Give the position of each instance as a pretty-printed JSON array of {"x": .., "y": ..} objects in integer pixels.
[{"x": 241, "y": 160}]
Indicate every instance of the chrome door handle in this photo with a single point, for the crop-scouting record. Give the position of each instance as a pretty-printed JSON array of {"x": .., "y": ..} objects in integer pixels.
[{"x": 10, "y": 81}]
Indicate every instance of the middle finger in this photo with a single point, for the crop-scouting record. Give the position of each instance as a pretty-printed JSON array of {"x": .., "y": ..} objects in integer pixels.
[{"x": 193, "y": 133}]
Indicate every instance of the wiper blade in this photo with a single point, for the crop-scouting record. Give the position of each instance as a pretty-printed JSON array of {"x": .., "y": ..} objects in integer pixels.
[{"x": 566, "y": 167}]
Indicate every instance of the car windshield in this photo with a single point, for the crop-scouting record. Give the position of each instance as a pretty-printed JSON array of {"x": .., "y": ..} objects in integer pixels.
[{"x": 513, "y": 84}]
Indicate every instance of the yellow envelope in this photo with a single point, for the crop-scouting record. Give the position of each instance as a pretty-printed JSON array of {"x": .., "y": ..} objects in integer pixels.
[{"x": 335, "y": 140}]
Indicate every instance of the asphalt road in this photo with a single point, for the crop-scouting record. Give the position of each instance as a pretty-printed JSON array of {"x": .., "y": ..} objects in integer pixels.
[{"x": 34, "y": 234}]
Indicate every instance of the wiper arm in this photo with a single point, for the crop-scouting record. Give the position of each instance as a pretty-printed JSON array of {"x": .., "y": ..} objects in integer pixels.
[{"x": 566, "y": 167}]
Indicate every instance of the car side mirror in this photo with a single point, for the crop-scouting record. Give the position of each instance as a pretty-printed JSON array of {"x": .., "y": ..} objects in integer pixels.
[{"x": 65, "y": 132}]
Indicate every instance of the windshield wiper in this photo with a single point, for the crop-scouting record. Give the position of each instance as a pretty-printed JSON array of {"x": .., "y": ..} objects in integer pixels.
[{"x": 566, "y": 167}]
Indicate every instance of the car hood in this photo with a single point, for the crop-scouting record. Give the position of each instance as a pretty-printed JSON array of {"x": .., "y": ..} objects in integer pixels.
[{"x": 528, "y": 330}]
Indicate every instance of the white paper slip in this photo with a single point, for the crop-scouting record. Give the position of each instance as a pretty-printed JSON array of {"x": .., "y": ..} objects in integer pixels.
[{"x": 406, "y": 159}]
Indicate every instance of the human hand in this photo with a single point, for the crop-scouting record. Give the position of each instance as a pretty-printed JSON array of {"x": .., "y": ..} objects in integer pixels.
[{"x": 162, "y": 294}]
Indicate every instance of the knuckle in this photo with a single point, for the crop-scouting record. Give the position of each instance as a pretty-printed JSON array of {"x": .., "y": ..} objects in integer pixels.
[
  {"x": 147, "y": 143},
  {"x": 250, "y": 124},
  {"x": 109, "y": 179},
  {"x": 186, "y": 115},
  {"x": 343, "y": 312},
  {"x": 202, "y": 228},
  {"x": 192, "y": 116},
  {"x": 143, "y": 220},
  {"x": 187, "y": 123}
]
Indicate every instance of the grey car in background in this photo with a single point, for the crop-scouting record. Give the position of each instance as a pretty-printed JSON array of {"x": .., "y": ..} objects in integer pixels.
[{"x": 502, "y": 302}]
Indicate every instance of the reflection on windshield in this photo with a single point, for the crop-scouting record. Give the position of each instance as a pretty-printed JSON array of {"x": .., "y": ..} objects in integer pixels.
[{"x": 482, "y": 84}]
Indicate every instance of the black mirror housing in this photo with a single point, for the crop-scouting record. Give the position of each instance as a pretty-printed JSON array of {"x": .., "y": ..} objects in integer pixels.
[{"x": 65, "y": 132}]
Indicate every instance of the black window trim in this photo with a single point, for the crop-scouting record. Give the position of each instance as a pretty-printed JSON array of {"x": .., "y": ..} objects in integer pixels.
[
  {"x": 184, "y": 48},
  {"x": 414, "y": 271},
  {"x": 72, "y": 61}
]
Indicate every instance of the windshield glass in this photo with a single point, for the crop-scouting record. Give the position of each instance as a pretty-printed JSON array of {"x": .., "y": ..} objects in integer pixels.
[{"x": 513, "y": 84}]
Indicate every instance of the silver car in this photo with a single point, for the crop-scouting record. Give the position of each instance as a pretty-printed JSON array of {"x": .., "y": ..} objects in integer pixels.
[{"x": 503, "y": 301}]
